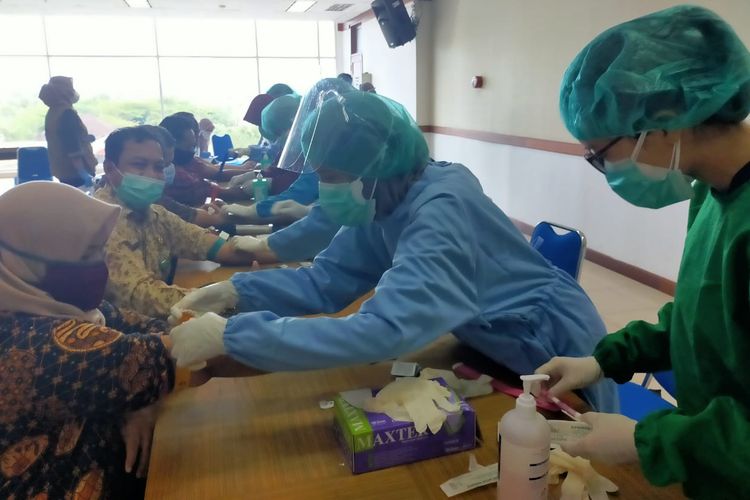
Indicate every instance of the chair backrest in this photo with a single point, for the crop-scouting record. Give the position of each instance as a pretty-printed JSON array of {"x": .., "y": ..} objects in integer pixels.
[
  {"x": 33, "y": 165},
  {"x": 222, "y": 144},
  {"x": 666, "y": 381},
  {"x": 565, "y": 250}
]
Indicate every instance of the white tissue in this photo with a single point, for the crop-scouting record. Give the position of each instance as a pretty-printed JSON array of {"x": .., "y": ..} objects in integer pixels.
[{"x": 418, "y": 400}]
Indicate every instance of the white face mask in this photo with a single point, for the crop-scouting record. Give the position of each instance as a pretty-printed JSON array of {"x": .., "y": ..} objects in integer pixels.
[{"x": 647, "y": 185}]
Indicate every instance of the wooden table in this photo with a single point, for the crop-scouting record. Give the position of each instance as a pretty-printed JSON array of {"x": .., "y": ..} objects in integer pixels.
[{"x": 266, "y": 437}]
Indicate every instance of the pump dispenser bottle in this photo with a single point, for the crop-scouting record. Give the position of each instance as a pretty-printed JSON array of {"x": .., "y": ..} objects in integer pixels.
[{"x": 524, "y": 442}]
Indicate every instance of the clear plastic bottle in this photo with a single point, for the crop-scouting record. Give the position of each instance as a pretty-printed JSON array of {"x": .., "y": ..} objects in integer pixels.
[
  {"x": 524, "y": 442},
  {"x": 260, "y": 187}
]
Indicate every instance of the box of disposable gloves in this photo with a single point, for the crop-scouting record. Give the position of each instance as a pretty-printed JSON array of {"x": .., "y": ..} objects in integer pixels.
[{"x": 409, "y": 420}]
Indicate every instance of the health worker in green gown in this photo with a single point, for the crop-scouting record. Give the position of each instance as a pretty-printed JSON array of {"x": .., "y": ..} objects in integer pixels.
[{"x": 660, "y": 103}]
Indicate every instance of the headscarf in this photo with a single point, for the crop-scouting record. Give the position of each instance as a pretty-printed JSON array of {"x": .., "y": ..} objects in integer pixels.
[
  {"x": 62, "y": 227},
  {"x": 58, "y": 91}
]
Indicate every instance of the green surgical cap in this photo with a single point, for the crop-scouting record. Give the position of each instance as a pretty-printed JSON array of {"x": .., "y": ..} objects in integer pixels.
[
  {"x": 364, "y": 134},
  {"x": 673, "y": 69},
  {"x": 279, "y": 89},
  {"x": 277, "y": 117}
]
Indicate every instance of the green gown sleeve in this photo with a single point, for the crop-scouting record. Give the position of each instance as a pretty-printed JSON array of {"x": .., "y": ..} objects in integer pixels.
[
  {"x": 710, "y": 447},
  {"x": 640, "y": 347}
]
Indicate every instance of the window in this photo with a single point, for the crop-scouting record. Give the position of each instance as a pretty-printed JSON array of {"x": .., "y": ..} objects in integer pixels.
[{"x": 135, "y": 69}]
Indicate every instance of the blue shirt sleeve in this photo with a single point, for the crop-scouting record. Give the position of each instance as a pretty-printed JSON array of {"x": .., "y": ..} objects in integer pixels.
[
  {"x": 346, "y": 270},
  {"x": 429, "y": 290},
  {"x": 304, "y": 239},
  {"x": 304, "y": 191}
]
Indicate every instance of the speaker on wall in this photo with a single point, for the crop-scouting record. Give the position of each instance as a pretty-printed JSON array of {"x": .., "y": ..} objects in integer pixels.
[{"x": 394, "y": 21}]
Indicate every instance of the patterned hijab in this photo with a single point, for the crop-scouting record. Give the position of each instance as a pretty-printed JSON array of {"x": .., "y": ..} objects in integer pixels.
[{"x": 50, "y": 221}]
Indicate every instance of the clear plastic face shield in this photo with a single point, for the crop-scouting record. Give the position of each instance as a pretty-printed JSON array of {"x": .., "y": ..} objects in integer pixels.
[{"x": 293, "y": 156}]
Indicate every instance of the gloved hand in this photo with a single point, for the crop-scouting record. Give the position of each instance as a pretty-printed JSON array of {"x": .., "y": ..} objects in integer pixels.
[
  {"x": 291, "y": 209},
  {"x": 567, "y": 374},
  {"x": 611, "y": 440},
  {"x": 239, "y": 180},
  {"x": 249, "y": 244},
  {"x": 240, "y": 210},
  {"x": 240, "y": 152},
  {"x": 212, "y": 298},
  {"x": 197, "y": 340},
  {"x": 581, "y": 480}
]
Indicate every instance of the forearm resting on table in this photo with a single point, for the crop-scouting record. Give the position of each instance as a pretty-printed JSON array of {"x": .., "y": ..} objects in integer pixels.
[{"x": 224, "y": 366}]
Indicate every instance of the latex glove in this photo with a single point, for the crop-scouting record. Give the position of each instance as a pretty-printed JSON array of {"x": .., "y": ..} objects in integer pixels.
[
  {"x": 291, "y": 209},
  {"x": 582, "y": 482},
  {"x": 567, "y": 374},
  {"x": 249, "y": 244},
  {"x": 418, "y": 400},
  {"x": 137, "y": 431},
  {"x": 240, "y": 210},
  {"x": 212, "y": 298},
  {"x": 463, "y": 387},
  {"x": 240, "y": 152},
  {"x": 611, "y": 440},
  {"x": 241, "y": 179},
  {"x": 197, "y": 340}
]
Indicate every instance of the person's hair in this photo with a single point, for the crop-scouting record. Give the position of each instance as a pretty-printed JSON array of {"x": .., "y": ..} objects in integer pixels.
[
  {"x": 346, "y": 77},
  {"x": 166, "y": 139},
  {"x": 115, "y": 142},
  {"x": 176, "y": 125},
  {"x": 190, "y": 117}
]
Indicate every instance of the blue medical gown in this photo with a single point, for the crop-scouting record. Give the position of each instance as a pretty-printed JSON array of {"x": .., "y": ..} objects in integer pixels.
[
  {"x": 446, "y": 260},
  {"x": 304, "y": 239}
]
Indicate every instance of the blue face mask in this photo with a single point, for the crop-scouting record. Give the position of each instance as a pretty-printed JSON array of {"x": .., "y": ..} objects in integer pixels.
[
  {"x": 345, "y": 203},
  {"x": 139, "y": 192},
  {"x": 169, "y": 173},
  {"x": 646, "y": 185}
]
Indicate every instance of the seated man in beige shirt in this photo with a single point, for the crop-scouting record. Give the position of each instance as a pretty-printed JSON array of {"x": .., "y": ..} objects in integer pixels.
[{"x": 147, "y": 236}]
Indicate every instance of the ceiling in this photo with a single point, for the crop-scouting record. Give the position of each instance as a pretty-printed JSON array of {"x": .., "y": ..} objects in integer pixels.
[{"x": 257, "y": 9}]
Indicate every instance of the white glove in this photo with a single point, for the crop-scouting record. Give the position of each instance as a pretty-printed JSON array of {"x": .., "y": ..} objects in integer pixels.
[
  {"x": 212, "y": 298},
  {"x": 249, "y": 244},
  {"x": 237, "y": 209},
  {"x": 611, "y": 440},
  {"x": 581, "y": 480},
  {"x": 567, "y": 374},
  {"x": 291, "y": 209},
  {"x": 240, "y": 179},
  {"x": 418, "y": 400},
  {"x": 198, "y": 340}
]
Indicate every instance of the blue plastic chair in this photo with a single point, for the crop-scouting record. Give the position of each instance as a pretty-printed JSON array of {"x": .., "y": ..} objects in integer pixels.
[
  {"x": 637, "y": 401},
  {"x": 565, "y": 250},
  {"x": 222, "y": 145},
  {"x": 33, "y": 165}
]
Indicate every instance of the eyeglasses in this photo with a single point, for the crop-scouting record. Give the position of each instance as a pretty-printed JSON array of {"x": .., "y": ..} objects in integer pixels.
[{"x": 596, "y": 158}]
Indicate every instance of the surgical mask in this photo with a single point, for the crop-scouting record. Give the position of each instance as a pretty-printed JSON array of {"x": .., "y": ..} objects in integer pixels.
[
  {"x": 646, "y": 185},
  {"x": 345, "y": 203},
  {"x": 169, "y": 173},
  {"x": 78, "y": 284},
  {"x": 183, "y": 156},
  {"x": 139, "y": 192}
]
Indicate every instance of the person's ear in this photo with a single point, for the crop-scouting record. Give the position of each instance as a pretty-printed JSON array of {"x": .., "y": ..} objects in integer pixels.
[
  {"x": 113, "y": 174},
  {"x": 673, "y": 136}
]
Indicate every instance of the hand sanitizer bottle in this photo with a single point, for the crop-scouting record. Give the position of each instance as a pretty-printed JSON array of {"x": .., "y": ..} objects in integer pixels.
[{"x": 524, "y": 442}]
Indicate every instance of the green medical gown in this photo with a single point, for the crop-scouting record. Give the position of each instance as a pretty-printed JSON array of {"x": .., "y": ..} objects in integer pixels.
[{"x": 704, "y": 337}]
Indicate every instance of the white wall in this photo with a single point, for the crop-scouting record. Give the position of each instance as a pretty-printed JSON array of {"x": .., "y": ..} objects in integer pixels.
[
  {"x": 532, "y": 186},
  {"x": 522, "y": 50},
  {"x": 394, "y": 71}
]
